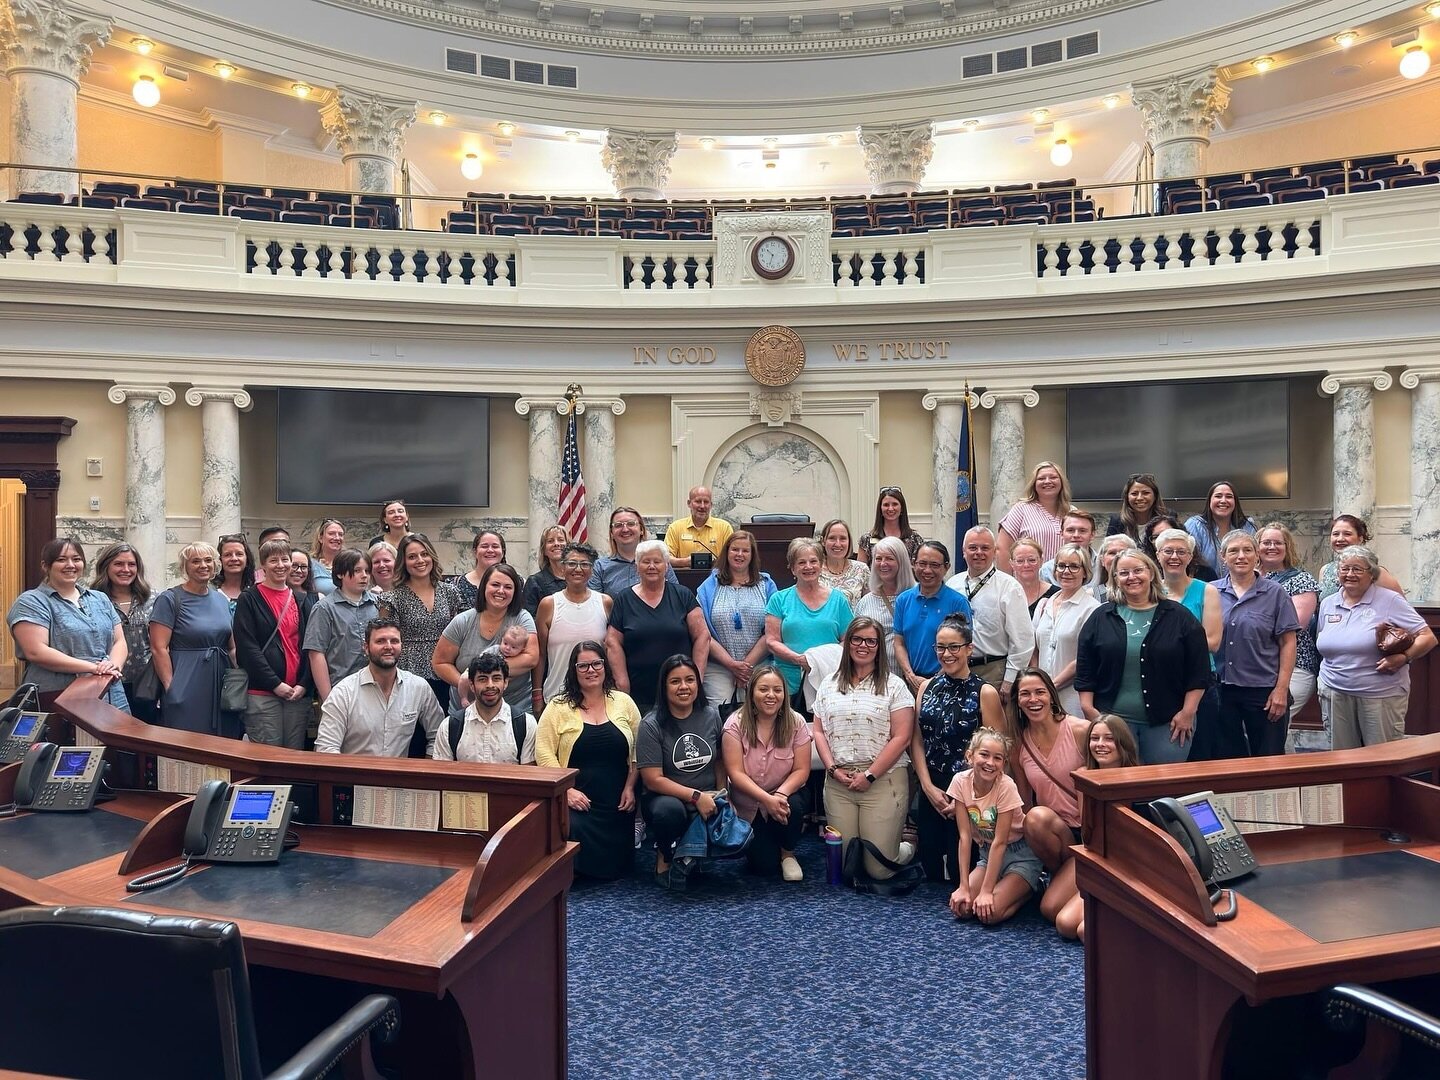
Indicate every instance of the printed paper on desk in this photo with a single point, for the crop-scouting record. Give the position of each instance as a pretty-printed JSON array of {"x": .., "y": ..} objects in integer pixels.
[
  {"x": 468, "y": 811},
  {"x": 185, "y": 777},
  {"x": 396, "y": 808}
]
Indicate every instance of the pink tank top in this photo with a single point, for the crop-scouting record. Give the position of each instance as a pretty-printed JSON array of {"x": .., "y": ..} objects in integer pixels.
[{"x": 1063, "y": 759}]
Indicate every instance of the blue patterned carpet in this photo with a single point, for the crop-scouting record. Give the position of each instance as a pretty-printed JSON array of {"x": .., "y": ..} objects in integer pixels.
[{"x": 743, "y": 977}]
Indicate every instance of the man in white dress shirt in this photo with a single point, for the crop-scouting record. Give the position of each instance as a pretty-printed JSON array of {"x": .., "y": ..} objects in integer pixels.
[
  {"x": 1004, "y": 636},
  {"x": 489, "y": 731},
  {"x": 377, "y": 710}
]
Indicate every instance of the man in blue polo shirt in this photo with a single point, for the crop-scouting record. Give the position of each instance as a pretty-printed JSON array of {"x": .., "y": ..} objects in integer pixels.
[{"x": 918, "y": 612}]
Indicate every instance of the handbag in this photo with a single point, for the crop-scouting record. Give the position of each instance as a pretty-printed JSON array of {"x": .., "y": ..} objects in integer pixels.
[
  {"x": 147, "y": 687},
  {"x": 724, "y": 836},
  {"x": 1393, "y": 639},
  {"x": 235, "y": 683},
  {"x": 906, "y": 875}
]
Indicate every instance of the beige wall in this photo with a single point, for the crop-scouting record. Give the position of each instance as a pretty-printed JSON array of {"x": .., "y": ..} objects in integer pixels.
[
  {"x": 99, "y": 432},
  {"x": 1392, "y": 446},
  {"x": 125, "y": 140},
  {"x": 642, "y": 458}
]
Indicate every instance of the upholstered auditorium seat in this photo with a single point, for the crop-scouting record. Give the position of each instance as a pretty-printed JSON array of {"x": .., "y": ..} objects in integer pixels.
[
  {"x": 112, "y": 187},
  {"x": 935, "y": 219},
  {"x": 96, "y": 202},
  {"x": 1259, "y": 176},
  {"x": 252, "y": 213},
  {"x": 508, "y": 221},
  {"x": 1285, "y": 183},
  {"x": 1414, "y": 180},
  {"x": 1367, "y": 185},
  {"x": 296, "y": 217},
  {"x": 643, "y": 233},
  {"x": 882, "y": 230},
  {"x": 993, "y": 214},
  {"x": 1335, "y": 180},
  {"x": 542, "y": 222},
  {"x": 1243, "y": 202},
  {"x": 510, "y": 230},
  {"x": 1301, "y": 195},
  {"x": 266, "y": 202},
  {"x": 210, "y": 209},
  {"x": 460, "y": 217},
  {"x": 1224, "y": 192},
  {"x": 170, "y": 194},
  {"x": 47, "y": 198},
  {"x": 1390, "y": 172},
  {"x": 155, "y": 204},
  {"x": 1196, "y": 207},
  {"x": 351, "y": 221},
  {"x": 325, "y": 209},
  {"x": 902, "y": 219}
]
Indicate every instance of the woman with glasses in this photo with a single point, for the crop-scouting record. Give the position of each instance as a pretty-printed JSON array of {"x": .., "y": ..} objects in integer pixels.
[
  {"x": 918, "y": 612},
  {"x": 590, "y": 726},
  {"x": 733, "y": 600},
  {"x": 1140, "y": 504},
  {"x": 892, "y": 518},
  {"x": 550, "y": 578},
  {"x": 1144, "y": 658},
  {"x": 806, "y": 615},
  {"x": 564, "y": 619},
  {"x": 864, "y": 719},
  {"x": 651, "y": 621},
  {"x": 951, "y": 707},
  {"x": 1058, "y": 620},
  {"x": 1040, "y": 515},
  {"x": 302, "y": 578},
  {"x": 422, "y": 603},
  {"x": 237, "y": 569},
  {"x": 1025, "y": 564},
  {"x": 890, "y": 575},
  {"x": 329, "y": 542}
]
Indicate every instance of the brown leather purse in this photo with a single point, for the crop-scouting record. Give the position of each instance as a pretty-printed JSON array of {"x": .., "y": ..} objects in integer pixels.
[{"x": 1393, "y": 639}]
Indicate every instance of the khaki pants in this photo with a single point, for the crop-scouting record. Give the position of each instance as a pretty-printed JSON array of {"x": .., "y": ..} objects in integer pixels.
[
  {"x": 276, "y": 723},
  {"x": 877, "y": 815},
  {"x": 1365, "y": 721}
]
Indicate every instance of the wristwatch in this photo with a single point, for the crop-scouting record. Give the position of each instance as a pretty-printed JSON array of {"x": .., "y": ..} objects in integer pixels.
[
  {"x": 695, "y": 796},
  {"x": 869, "y": 777}
]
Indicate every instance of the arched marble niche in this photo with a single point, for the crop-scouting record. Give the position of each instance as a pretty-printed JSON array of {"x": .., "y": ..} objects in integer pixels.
[
  {"x": 816, "y": 453},
  {"x": 776, "y": 472}
]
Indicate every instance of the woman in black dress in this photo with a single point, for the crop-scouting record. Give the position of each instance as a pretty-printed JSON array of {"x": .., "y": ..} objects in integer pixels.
[
  {"x": 651, "y": 622},
  {"x": 591, "y": 727}
]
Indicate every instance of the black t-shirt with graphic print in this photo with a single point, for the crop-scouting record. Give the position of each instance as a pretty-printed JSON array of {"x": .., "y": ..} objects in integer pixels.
[{"x": 686, "y": 751}]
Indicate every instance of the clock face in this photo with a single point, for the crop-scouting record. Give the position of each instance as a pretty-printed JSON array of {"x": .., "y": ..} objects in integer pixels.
[{"x": 773, "y": 257}]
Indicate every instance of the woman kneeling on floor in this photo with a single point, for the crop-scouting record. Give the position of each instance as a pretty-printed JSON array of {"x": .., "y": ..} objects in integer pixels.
[
  {"x": 767, "y": 756},
  {"x": 680, "y": 764},
  {"x": 989, "y": 811}
]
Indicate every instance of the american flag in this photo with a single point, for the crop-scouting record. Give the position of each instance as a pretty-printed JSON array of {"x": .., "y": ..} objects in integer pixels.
[{"x": 572, "y": 489}]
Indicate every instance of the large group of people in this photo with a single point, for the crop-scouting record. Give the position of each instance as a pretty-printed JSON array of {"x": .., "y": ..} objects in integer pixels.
[{"x": 936, "y": 712}]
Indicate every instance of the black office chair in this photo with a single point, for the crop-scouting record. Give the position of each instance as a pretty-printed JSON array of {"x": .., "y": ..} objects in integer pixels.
[{"x": 104, "y": 994}]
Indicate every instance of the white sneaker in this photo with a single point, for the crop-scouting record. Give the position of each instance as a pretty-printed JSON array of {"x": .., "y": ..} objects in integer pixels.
[
  {"x": 907, "y": 852},
  {"x": 790, "y": 869}
]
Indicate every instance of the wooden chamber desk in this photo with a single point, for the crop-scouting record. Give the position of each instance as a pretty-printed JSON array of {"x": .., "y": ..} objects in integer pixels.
[
  {"x": 468, "y": 929},
  {"x": 1163, "y": 979}
]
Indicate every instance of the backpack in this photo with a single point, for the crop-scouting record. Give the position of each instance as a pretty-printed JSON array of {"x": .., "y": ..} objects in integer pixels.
[
  {"x": 907, "y": 875},
  {"x": 517, "y": 725}
]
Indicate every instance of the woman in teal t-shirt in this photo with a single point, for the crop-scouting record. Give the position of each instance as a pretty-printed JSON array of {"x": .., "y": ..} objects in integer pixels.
[{"x": 803, "y": 616}]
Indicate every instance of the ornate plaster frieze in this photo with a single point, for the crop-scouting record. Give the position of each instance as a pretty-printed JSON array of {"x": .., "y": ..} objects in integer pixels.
[{"x": 50, "y": 35}]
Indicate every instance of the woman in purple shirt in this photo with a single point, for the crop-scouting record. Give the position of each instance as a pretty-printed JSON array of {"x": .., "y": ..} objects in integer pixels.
[{"x": 1367, "y": 693}]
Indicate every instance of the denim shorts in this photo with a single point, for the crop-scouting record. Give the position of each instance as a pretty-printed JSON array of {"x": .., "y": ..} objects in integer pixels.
[{"x": 1019, "y": 859}]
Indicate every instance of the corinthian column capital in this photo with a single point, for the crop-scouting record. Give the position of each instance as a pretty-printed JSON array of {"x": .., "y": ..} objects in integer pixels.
[
  {"x": 639, "y": 161},
  {"x": 364, "y": 123},
  {"x": 49, "y": 35},
  {"x": 896, "y": 155},
  {"x": 1180, "y": 106}
]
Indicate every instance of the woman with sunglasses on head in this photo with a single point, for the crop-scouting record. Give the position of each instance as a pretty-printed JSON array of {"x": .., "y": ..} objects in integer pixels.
[
  {"x": 423, "y": 604},
  {"x": 1058, "y": 620},
  {"x": 1040, "y": 515},
  {"x": 120, "y": 575},
  {"x": 733, "y": 600},
  {"x": 892, "y": 518},
  {"x": 1140, "y": 504},
  {"x": 329, "y": 542},
  {"x": 952, "y": 705},
  {"x": 590, "y": 727}
]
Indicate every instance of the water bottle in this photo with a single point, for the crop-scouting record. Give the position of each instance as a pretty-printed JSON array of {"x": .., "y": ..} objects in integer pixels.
[{"x": 834, "y": 856}]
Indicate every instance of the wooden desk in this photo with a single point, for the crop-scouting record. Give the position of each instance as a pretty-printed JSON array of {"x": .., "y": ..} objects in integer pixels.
[
  {"x": 478, "y": 961},
  {"x": 1162, "y": 976}
]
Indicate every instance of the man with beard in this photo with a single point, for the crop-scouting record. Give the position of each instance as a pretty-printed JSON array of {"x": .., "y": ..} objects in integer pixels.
[
  {"x": 376, "y": 710},
  {"x": 489, "y": 731}
]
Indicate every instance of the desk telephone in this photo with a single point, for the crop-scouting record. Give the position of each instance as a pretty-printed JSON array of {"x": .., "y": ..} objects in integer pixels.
[
  {"x": 239, "y": 823},
  {"x": 60, "y": 777},
  {"x": 1207, "y": 834},
  {"x": 19, "y": 730}
]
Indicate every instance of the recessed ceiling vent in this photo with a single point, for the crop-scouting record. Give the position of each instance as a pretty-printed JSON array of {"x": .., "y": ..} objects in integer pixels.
[
  {"x": 1019, "y": 59},
  {"x": 462, "y": 62}
]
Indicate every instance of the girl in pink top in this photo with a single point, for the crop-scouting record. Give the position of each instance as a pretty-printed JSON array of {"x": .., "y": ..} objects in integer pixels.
[
  {"x": 1050, "y": 746},
  {"x": 988, "y": 810}
]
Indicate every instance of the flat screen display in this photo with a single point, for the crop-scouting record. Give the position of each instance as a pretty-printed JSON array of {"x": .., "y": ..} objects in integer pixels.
[
  {"x": 25, "y": 725},
  {"x": 72, "y": 763},
  {"x": 252, "y": 805},
  {"x": 1189, "y": 434},
  {"x": 1205, "y": 816},
  {"x": 358, "y": 447}
]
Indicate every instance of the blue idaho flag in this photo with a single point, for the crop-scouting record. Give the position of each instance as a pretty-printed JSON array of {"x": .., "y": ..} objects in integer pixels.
[{"x": 966, "y": 514}]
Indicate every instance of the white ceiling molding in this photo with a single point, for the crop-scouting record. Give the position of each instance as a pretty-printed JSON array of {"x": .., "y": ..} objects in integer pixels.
[
  {"x": 106, "y": 98},
  {"x": 1388, "y": 91}
]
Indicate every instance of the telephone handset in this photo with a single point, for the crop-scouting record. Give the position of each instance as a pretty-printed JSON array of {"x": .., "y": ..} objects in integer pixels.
[
  {"x": 241, "y": 823},
  {"x": 19, "y": 730},
  {"x": 1206, "y": 833},
  {"x": 59, "y": 777}
]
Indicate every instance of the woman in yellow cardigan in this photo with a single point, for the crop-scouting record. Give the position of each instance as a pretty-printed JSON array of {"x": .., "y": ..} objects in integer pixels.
[{"x": 591, "y": 726}]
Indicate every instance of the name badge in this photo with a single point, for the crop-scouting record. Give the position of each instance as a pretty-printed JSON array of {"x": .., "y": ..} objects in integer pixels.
[{"x": 1332, "y": 618}]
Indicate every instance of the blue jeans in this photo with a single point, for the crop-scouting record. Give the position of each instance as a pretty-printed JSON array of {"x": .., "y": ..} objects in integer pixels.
[{"x": 1155, "y": 745}]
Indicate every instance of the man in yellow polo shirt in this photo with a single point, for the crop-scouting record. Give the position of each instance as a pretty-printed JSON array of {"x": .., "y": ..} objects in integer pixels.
[{"x": 698, "y": 532}]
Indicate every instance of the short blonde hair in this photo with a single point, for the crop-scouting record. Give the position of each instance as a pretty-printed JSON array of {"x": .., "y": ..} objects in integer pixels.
[
  {"x": 189, "y": 551},
  {"x": 799, "y": 544},
  {"x": 1157, "y": 590}
]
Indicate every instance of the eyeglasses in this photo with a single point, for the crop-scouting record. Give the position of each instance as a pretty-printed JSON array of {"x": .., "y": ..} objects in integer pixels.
[
  {"x": 945, "y": 648},
  {"x": 1068, "y": 568},
  {"x": 929, "y": 566},
  {"x": 575, "y": 566},
  {"x": 589, "y": 665},
  {"x": 865, "y": 642}
]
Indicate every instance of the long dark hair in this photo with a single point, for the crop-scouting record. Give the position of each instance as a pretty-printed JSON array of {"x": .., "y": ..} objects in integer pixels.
[
  {"x": 516, "y": 600},
  {"x": 139, "y": 591},
  {"x": 420, "y": 540},
  {"x": 1237, "y": 516},
  {"x": 247, "y": 575},
  {"x": 1147, "y": 534},
  {"x": 786, "y": 719},
  {"x": 572, "y": 695},
  {"x": 663, "y": 714},
  {"x": 1021, "y": 720},
  {"x": 1157, "y": 508},
  {"x": 902, "y": 522}
]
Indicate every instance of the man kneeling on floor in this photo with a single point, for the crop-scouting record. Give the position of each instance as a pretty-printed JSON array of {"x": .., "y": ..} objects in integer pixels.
[
  {"x": 489, "y": 731},
  {"x": 376, "y": 710}
]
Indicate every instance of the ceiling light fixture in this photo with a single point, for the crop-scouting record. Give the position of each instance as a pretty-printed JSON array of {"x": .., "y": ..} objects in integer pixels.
[
  {"x": 505, "y": 128},
  {"x": 300, "y": 89},
  {"x": 771, "y": 143},
  {"x": 1346, "y": 39},
  {"x": 438, "y": 118},
  {"x": 1040, "y": 115},
  {"x": 707, "y": 143},
  {"x": 224, "y": 70},
  {"x": 834, "y": 140},
  {"x": 1415, "y": 62},
  {"x": 572, "y": 136},
  {"x": 1263, "y": 64},
  {"x": 969, "y": 125},
  {"x": 1111, "y": 100},
  {"x": 145, "y": 92},
  {"x": 142, "y": 45},
  {"x": 1433, "y": 10},
  {"x": 1061, "y": 153},
  {"x": 471, "y": 167}
]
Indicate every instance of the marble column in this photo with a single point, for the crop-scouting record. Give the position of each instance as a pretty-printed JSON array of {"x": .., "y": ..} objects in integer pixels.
[
  {"x": 220, "y": 408},
  {"x": 1180, "y": 112},
  {"x": 1424, "y": 387},
  {"x": 1353, "y": 488},
  {"x": 1007, "y": 447},
  {"x": 544, "y": 462},
  {"x": 46, "y": 46},
  {"x": 371, "y": 133},
  {"x": 897, "y": 155},
  {"x": 598, "y": 463},
  {"x": 145, "y": 471},
  {"x": 948, "y": 413},
  {"x": 639, "y": 161}
]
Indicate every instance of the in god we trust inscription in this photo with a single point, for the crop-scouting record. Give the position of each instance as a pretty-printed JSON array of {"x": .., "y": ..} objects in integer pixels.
[{"x": 774, "y": 356}]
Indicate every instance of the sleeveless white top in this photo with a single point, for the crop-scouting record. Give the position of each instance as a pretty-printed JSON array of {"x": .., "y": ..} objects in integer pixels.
[{"x": 571, "y": 624}]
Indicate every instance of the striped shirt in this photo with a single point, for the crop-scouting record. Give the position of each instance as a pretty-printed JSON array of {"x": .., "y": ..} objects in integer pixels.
[{"x": 1033, "y": 520}]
